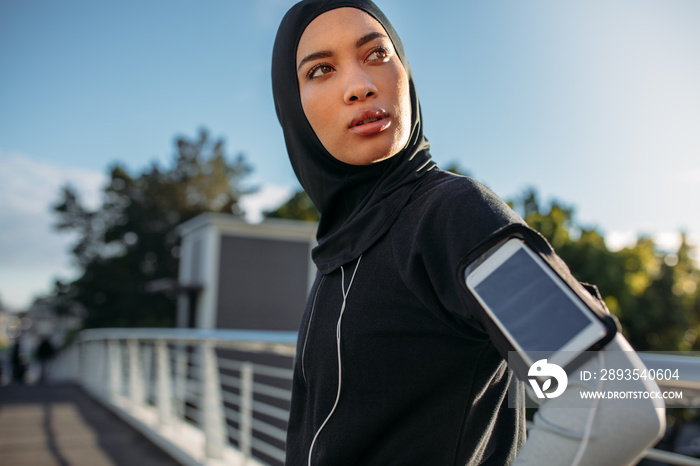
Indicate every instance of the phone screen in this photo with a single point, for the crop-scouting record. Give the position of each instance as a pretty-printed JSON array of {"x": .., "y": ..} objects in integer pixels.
[{"x": 533, "y": 309}]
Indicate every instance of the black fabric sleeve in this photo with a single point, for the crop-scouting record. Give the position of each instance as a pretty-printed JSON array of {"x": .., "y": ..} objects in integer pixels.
[
  {"x": 454, "y": 226},
  {"x": 437, "y": 231}
]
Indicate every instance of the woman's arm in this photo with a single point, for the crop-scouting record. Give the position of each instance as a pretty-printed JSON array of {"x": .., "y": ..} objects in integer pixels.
[
  {"x": 604, "y": 432},
  {"x": 438, "y": 232}
]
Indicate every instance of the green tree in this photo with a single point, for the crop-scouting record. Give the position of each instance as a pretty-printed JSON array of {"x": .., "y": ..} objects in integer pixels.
[
  {"x": 130, "y": 239},
  {"x": 297, "y": 207}
]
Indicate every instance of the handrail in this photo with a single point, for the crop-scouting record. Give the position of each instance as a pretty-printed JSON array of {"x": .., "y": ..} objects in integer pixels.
[
  {"x": 213, "y": 397},
  {"x": 205, "y": 396},
  {"x": 277, "y": 342},
  {"x": 189, "y": 335}
]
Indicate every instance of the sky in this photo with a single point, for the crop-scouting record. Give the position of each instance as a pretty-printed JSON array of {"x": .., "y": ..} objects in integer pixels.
[{"x": 594, "y": 103}]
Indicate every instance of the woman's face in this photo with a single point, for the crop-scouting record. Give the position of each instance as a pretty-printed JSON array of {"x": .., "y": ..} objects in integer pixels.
[{"x": 353, "y": 87}]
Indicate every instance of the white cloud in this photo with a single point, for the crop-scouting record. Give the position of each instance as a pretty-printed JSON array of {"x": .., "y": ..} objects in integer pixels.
[
  {"x": 616, "y": 240},
  {"x": 268, "y": 197},
  {"x": 688, "y": 175},
  {"x": 29, "y": 185},
  {"x": 666, "y": 241},
  {"x": 32, "y": 253}
]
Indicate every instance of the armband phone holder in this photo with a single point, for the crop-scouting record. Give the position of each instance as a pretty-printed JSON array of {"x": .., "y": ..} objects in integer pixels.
[{"x": 565, "y": 319}]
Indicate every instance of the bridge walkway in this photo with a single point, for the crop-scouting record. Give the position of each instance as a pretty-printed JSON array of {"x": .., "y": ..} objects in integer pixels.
[{"x": 47, "y": 425}]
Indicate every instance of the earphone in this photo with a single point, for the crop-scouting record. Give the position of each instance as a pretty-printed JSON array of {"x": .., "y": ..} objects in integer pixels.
[
  {"x": 591, "y": 416},
  {"x": 337, "y": 341}
]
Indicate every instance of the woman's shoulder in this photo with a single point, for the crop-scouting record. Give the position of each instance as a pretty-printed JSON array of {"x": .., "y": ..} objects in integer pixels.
[
  {"x": 443, "y": 195},
  {"x": 449, "y": 214},
  {"x": 445, "y": 219}
]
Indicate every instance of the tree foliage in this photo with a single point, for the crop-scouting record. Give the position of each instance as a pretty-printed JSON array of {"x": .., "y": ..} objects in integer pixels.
[
  {"x": 130, "y": 240},
  {"x": 297, "y": 207}
]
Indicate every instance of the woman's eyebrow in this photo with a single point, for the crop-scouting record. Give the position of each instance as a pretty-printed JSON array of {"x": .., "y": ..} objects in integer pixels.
[
  {"x": 314, "y": 56},
  {"x": 327, "y": 53},
  {"x": 368, "y": 38}
]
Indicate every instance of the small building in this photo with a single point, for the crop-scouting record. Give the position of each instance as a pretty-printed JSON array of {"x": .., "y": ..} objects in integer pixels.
[{"x": 234, "y": 274}]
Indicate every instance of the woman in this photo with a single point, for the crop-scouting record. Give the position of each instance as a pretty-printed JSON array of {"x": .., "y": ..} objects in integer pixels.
[{"x": 393, "y": 365}]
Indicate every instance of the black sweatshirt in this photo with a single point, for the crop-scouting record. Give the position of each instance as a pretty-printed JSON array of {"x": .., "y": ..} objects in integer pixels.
[{"x": 422, "y": 384}]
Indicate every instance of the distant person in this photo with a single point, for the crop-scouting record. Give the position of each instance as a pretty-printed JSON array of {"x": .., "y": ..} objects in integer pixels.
[
  {"x": 19, "y": 367},
  {"x": 394, "y": 366},
  {"x": 44, "y": 353}
]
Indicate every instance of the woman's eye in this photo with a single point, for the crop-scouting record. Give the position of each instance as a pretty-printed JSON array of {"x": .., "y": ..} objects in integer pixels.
[
  {"x": 319, "y": 70},
  {"x": 378, "y": 54}
]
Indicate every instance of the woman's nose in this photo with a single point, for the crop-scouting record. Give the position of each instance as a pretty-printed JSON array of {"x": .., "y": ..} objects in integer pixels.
[{"x": 359, "y": 87}]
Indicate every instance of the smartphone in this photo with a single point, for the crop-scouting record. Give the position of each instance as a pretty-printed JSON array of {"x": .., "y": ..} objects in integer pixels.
[{"x": 532, "y": 305}]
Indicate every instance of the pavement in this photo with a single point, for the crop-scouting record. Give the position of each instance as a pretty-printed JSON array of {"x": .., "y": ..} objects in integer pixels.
[{"x": 47, "y": 425}]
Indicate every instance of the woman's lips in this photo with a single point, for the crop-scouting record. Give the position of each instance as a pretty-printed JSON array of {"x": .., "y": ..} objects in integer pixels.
[{"x": 370, "y": 122}]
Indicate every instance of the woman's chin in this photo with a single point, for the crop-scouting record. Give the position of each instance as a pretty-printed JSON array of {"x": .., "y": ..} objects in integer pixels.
[{"x": 369, "y": 152}]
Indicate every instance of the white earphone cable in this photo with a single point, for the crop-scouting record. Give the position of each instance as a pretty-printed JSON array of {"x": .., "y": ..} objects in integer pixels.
[
  {"x": 337, "y": 340},
  {"x": 591, "y": 415}
]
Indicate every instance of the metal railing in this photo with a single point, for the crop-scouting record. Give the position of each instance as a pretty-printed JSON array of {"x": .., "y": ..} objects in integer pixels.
[
  {"x": 215, "y": 397},
  {"x": 207, "y": 397}
]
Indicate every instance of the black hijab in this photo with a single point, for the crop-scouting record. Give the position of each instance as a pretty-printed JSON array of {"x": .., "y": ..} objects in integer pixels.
[{"x": 358, "y": 204}]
